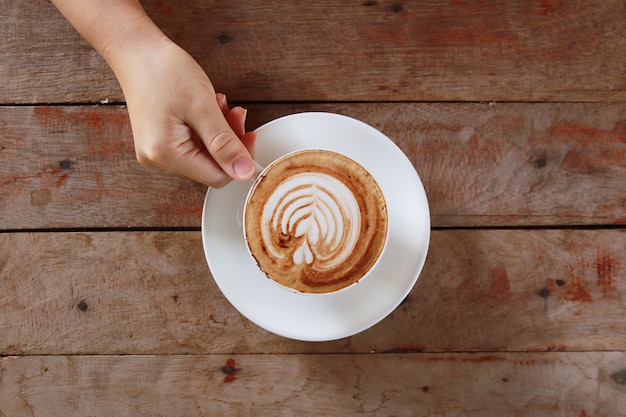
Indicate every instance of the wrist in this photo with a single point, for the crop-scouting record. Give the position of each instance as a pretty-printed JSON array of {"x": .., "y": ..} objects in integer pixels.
[
  {"x": 137, "y": 37},
  {"x": 119, "y": 30}
]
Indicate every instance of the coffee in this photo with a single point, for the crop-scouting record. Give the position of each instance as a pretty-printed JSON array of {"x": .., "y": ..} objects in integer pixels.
[{"x": 315, "y": 221}]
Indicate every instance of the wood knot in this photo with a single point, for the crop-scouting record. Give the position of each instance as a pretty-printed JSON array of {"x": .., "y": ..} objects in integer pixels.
[
  {"x": 66, "y": 164},
  {"x": 619, "y": 377},
  {"x": 544, "y": 293},
  {"x": 230, "y": 371},
  {"x": 227, "y": 369}
]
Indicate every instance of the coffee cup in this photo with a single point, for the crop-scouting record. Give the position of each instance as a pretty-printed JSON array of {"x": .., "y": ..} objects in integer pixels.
[{"x": 315, "y": 221}]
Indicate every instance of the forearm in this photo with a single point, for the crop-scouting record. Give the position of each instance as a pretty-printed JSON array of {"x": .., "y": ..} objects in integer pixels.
[{"x": 117, "y": 29}]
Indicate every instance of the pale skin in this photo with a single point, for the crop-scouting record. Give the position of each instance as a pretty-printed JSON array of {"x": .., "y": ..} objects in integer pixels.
[{"x": 179, "y": 122}]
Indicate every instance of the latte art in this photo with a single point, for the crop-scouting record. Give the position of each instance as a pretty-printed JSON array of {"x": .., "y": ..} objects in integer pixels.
[
  {"x": 319, "y": 214},
  {"x": 315, "y": 221}
]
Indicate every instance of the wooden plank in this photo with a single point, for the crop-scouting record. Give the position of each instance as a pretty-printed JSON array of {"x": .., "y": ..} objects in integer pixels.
[
  {"x": 494, "y": 164},
  {"x": 481, "y": 164},
  {"x": 451, "y": 385},
  {"x": 335, "y": 50},
  {"x": 152, "y": 293},
  {"x": 44, "y": 60},
  {"x": 76, "y": 167}
]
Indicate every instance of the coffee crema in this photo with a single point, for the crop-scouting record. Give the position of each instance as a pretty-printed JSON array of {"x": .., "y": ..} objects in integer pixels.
[{"x": 315, "y": 221}]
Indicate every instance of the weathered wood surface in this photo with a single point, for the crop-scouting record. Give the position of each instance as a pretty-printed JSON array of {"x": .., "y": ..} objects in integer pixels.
[
  {"x": 336, "y": 50},
  {"x": 152, "y": 293},
  {"x": 448, "y": 385},
  {"x": 76, "y": 167},
  {"x": 481, "y": 164},
  {"x": 502, "y": 322}
]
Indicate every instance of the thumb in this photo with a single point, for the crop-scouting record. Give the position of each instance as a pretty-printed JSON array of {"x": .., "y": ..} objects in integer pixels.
[{"x": 223, "y": 144}]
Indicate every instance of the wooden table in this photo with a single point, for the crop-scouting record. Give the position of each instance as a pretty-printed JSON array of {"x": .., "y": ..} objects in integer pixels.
[{"x": 513, "y": 113}]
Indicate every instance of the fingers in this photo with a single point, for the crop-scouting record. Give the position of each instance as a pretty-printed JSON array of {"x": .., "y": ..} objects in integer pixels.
[
  {"x": 220, "y": 130},
  {"x": 236, "y": 117},
  {"x": 222, "y": 102},
  {"x": 249, "y": 141},
  {"x": 180, "y": 147},
  {"x": 201, "y": 167}
]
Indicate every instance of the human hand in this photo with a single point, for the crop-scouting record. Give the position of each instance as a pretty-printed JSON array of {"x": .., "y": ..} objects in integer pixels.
[{"x": 179, "y": 123}]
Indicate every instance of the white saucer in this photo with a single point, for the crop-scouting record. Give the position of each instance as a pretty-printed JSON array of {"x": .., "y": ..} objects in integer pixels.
[{"x": 336, "y": 315}]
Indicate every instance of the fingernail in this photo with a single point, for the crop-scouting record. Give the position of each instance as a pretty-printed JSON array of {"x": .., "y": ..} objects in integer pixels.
[{"x": 243, "y": 167}]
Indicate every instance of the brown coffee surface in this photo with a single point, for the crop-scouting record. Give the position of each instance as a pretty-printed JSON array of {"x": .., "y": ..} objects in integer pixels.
[{"x": 316, "y": 221}]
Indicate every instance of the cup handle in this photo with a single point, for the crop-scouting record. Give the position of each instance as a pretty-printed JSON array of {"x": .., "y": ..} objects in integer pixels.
[{"x": 257, "y": 171}]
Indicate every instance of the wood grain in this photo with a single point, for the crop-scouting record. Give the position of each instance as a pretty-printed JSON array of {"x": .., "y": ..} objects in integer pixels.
[
  {"x": 514, "y": 115},
  {"x": 481, "y": 164},
  {"x": 76, "y": 167},
  {"x": 450, "y": 385},
  {"x": 343, "y": 51},
  {"x": 152, "y": 293}
]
